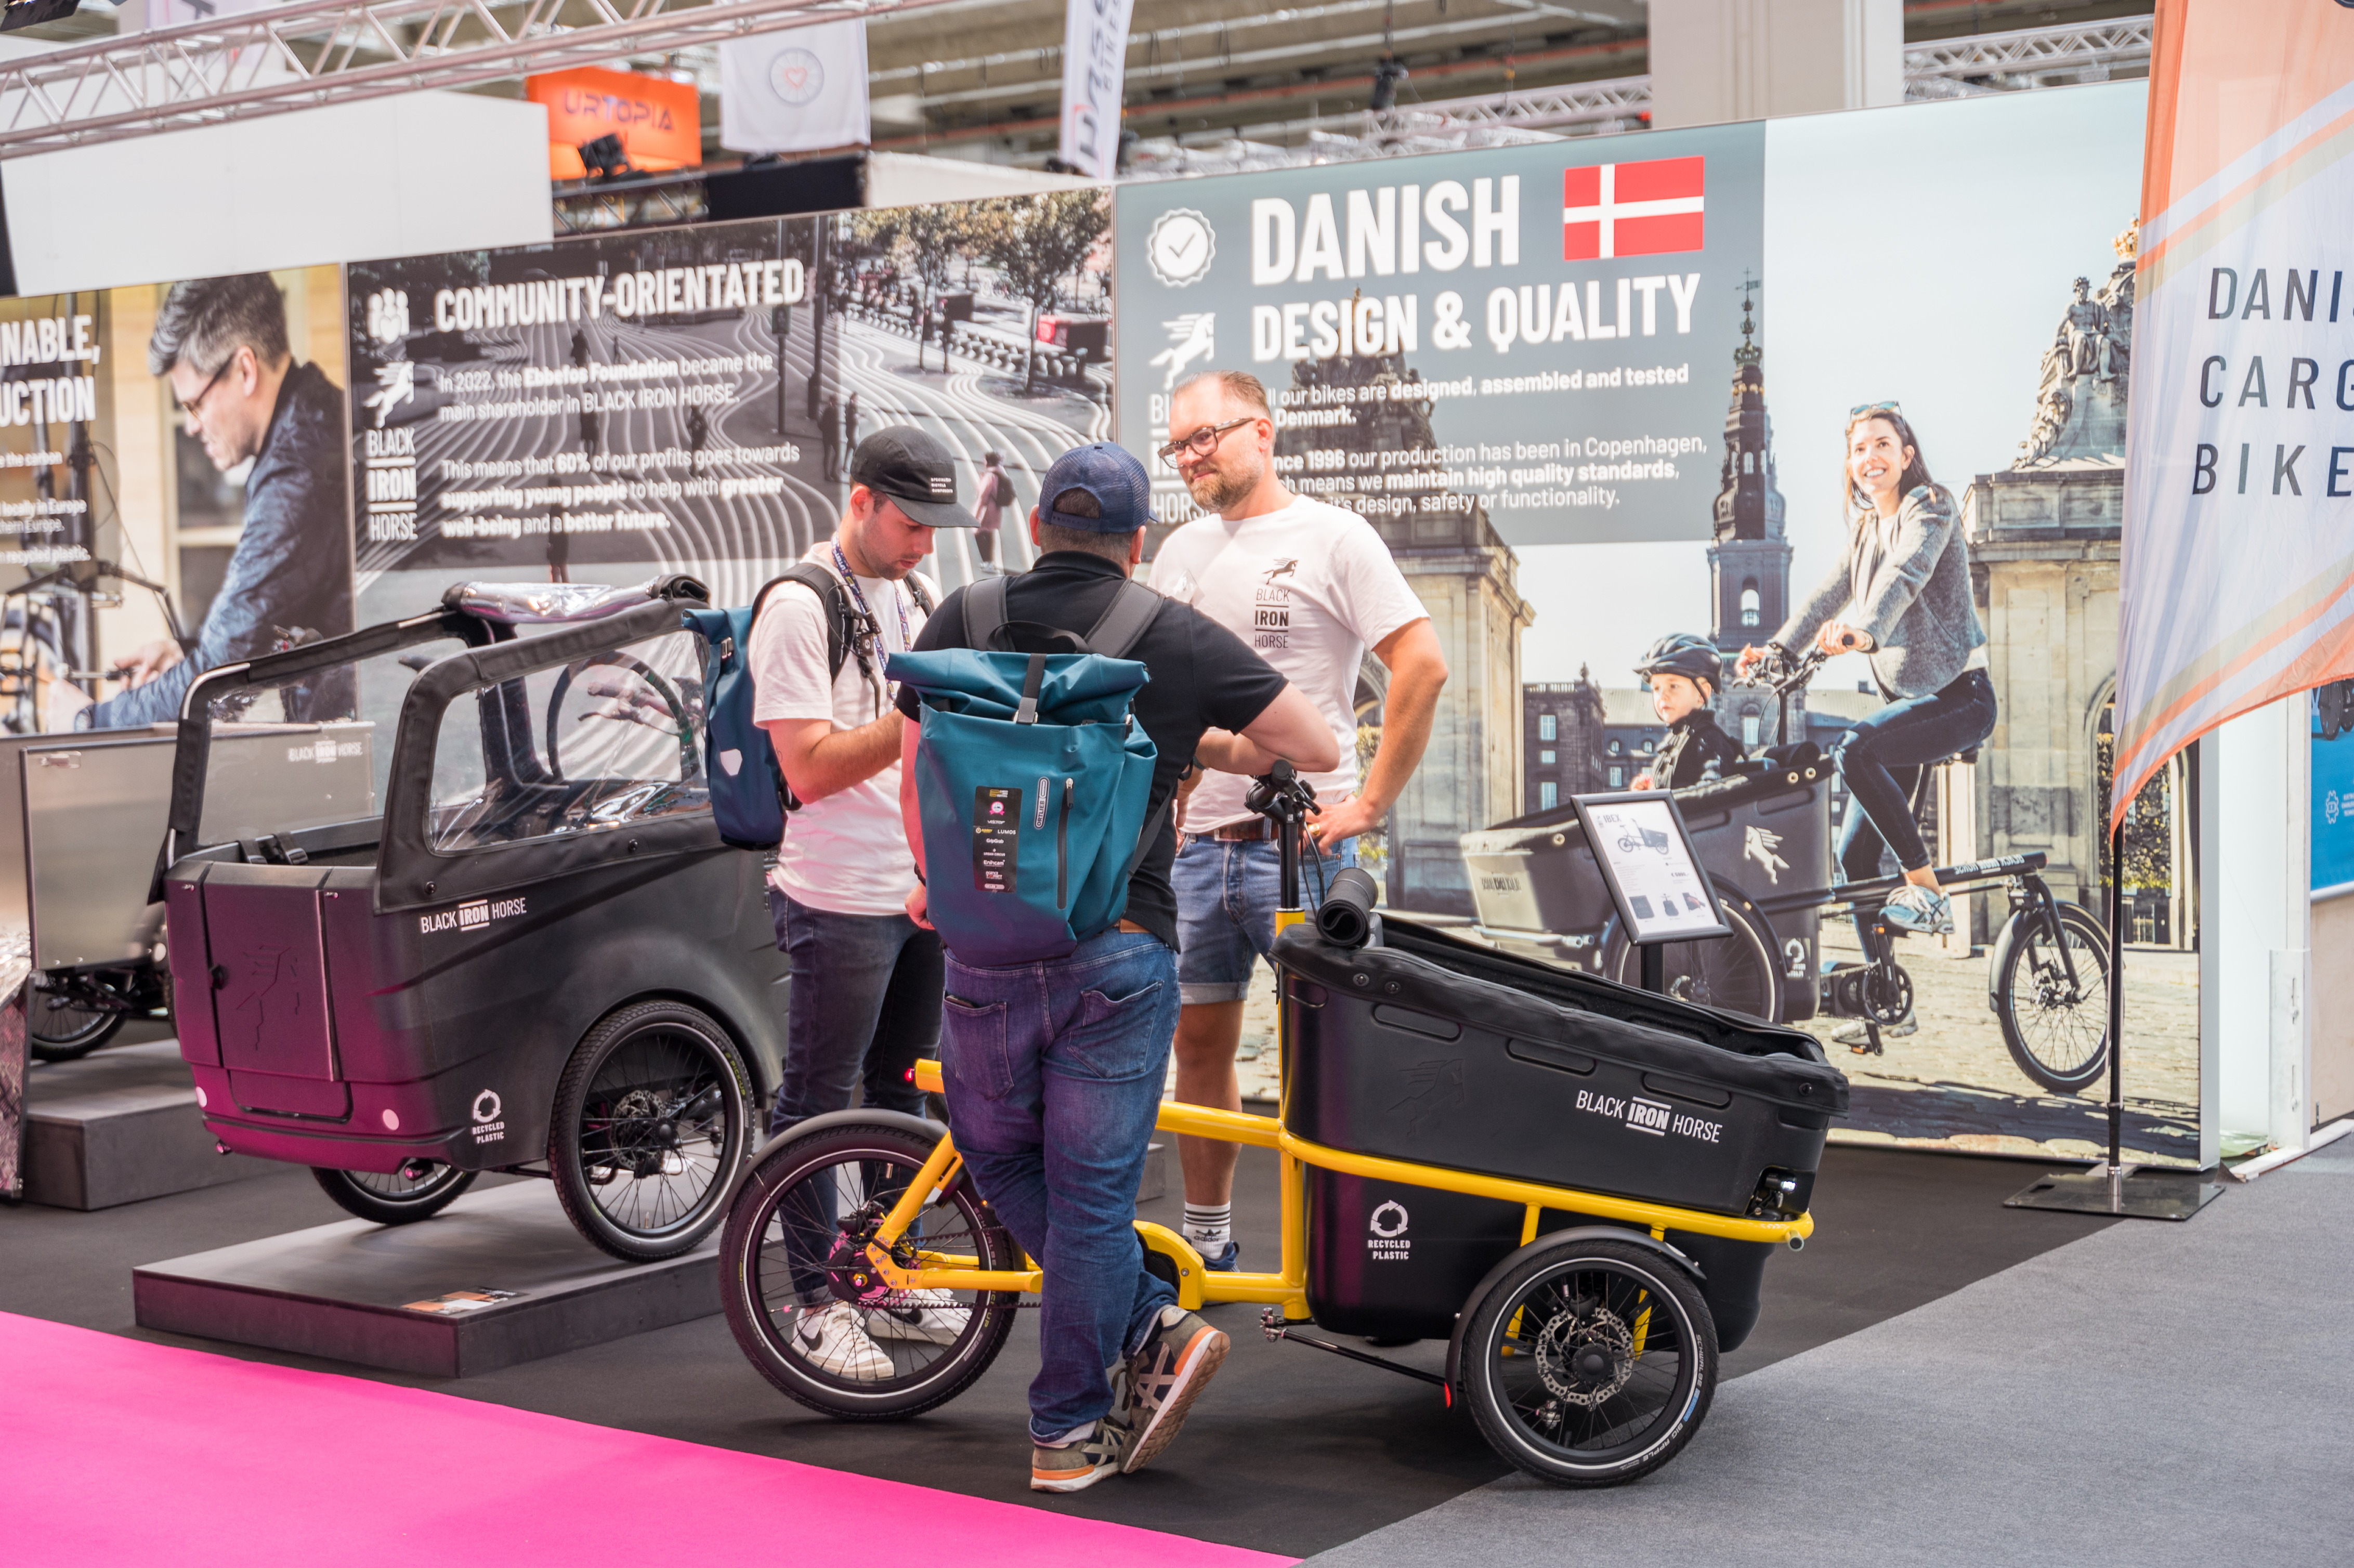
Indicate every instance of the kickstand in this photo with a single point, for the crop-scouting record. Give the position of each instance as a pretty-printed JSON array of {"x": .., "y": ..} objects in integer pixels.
[{"x": 1275, "y": 1327}]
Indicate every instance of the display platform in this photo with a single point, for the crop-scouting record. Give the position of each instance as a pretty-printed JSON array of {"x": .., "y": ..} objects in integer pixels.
[
  {"x": 119, "y": 1125},
  {"x": 496, "y": 1278}
]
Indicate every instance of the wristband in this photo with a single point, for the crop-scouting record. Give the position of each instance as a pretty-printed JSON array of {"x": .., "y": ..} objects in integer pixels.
[{"x": 919, "y": 874}]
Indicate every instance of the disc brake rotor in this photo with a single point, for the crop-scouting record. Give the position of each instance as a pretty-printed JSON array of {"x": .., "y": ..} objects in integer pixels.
[{"x": 1585, "y": 1356}]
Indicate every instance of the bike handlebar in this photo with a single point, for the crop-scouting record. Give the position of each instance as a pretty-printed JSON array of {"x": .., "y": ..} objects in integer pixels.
[{"x": 1781, "y": 674}]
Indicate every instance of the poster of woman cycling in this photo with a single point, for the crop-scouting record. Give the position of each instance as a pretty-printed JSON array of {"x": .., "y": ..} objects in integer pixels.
[{"x": 1853, "y": 596}]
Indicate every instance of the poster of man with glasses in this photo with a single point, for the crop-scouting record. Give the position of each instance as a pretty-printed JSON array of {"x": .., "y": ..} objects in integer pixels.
[{"x": 221, "y": 344}]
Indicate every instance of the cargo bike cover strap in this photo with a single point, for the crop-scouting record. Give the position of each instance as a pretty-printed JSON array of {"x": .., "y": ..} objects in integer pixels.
[{"x": 1033, "y": 779}]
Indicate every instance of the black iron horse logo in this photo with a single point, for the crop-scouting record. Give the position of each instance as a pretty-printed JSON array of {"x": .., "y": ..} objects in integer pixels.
[{"x": 1432, "y": 1088}]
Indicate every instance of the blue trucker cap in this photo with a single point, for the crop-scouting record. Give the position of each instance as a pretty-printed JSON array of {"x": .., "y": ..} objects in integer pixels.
[{"x": 1109, "y": 473}]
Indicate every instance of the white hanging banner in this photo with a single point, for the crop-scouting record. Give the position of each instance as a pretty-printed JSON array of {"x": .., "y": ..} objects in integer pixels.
[
  {"x": 1095, "y": 63},
  {"x": 795, "y": 91}
]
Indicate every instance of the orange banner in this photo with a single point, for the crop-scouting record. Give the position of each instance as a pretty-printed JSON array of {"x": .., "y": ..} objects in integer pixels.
[
  {"x": 2238, "y": 549},
  {"x": 660, "y": 121}
]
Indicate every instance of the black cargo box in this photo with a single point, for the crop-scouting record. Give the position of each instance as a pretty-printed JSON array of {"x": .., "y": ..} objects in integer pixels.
[{"x": 1431, "y": 1049}]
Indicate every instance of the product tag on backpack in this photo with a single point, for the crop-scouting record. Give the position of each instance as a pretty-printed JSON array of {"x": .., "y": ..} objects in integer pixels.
[{"x": 996, "y": 838}]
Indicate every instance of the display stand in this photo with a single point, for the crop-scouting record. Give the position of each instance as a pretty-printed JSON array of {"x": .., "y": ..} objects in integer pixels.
[
  {"x": 498, "y": 1278},
  {"x": 2115, "y": 1188},
  {"x": 1640, "y": 840},
  {"x": 118, "y": 1126}
]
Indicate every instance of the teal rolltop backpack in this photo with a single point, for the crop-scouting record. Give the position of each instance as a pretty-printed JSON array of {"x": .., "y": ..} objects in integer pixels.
[{"x": 1034, "y": 780}]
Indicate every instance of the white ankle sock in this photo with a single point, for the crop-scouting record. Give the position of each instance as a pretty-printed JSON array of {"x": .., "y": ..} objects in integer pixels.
[{"x": 1209, "y": 1227}]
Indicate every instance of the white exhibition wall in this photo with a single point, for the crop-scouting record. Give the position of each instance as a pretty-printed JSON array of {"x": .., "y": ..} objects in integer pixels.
[{"x": 390, "y": 176}]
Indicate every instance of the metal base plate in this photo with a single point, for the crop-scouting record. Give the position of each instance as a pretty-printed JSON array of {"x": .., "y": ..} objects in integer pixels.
[{"x": 2129, "y": 1191}]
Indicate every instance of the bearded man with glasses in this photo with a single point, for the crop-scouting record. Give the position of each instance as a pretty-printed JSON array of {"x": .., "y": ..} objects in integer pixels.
[
  {"x": 221, "y": 344},
  {"x": 1308, "y": 587}
]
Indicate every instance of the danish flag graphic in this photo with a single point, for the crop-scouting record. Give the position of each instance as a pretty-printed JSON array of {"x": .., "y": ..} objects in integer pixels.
[{"x": 1631, "y": 209}]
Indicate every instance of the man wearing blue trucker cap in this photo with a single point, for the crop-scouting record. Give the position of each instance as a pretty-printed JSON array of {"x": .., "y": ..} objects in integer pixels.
[{"x": 1054, "y": 1068}]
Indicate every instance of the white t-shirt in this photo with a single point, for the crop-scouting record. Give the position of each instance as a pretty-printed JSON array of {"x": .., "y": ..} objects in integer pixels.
[
  {"x": 1308, "y": 590},
  {"x": 847, "y": 853}
]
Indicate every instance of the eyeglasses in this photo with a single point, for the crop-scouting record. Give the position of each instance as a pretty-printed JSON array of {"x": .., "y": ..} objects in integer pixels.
[
  {"x": 1861, "y": 409},
  {"x": 1203, "y": 441},
  {"x": 192, "y": 408}
]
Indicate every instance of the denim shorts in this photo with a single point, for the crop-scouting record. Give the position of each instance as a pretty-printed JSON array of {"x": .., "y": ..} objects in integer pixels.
[{"x": 1226, "y": 898}]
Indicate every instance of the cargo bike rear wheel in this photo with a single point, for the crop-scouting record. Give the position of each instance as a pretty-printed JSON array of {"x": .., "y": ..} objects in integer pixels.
[
  {"x": 806, "y": 1311},
  {"x": 1590, "y": 1363},
  {"x": 650, "y": 1125}
]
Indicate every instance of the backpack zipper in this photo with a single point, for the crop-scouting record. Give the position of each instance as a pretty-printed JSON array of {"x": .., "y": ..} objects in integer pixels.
[{"x": 1063, "y": 850}]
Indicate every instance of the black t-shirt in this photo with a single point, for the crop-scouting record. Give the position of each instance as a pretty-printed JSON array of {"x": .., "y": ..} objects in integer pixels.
[{"x": 1203, "y": 678}]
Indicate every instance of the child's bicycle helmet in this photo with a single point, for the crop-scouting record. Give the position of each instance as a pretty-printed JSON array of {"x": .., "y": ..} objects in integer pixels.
[{"x": 1683, "y": 653}]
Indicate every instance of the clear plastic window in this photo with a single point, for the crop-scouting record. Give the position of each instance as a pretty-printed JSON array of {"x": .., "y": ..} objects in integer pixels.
[
  {"x": 607, "y": 741},
  {"x": 308, "y": 754}
]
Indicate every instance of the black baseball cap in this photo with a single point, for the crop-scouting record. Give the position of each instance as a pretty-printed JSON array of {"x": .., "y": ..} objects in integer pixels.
[{"x": 915, "y": 471}]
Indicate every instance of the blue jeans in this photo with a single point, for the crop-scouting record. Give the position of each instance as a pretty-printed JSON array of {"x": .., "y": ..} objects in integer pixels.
[
  {"x": 866, "y": 1005},
  {"x": 1881, "y": 758},
  {"x": 1227, "y": 894},
  {"x": 1054, "y": 1078}
]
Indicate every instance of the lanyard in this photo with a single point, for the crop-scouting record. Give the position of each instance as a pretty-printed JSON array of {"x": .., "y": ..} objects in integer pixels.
[
  {"x": 899, "y": 601},
  {"x": 884, "y": 692}
]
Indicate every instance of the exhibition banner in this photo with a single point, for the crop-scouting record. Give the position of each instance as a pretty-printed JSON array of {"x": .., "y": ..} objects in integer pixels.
[
  {"x": 603, "y": 408},
  {"x": 2239, "y": 559},
  {"x": 797, "y": 91},
  {"x": 1566, "y": 480},
  {"x": 1555, "y": 313},
  {"x": 154, "y": 525},
  {"x": 1094, "y": 64}
]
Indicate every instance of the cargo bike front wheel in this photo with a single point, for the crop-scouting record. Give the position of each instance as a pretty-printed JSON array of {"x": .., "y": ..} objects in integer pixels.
[{"x": 1589, "y": 1362}]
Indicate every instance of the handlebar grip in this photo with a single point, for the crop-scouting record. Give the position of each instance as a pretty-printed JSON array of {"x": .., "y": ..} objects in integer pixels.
[{"x": 1346, "y": 918}]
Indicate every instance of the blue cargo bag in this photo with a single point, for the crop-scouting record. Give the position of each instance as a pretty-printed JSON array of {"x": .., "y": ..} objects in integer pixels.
[{"x": 1034, "y": 782}]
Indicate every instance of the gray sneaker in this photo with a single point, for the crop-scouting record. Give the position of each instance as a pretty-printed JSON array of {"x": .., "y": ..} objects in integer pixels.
[
  {"x": 1855, "y": 1037},
  {"x": 1076, "y": 1466},
  {"x": 1165, "y": 1378},
  {"x": 1923, "y": 911}
]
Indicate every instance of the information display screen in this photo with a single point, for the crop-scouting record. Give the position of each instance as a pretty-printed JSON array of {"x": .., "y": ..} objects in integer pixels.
[{"x": 1638, "y": 840}]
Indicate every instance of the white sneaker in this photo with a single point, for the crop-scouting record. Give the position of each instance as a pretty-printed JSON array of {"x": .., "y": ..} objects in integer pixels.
[
  {"x": 1922, "y": 910},
  {"x": 934, "y": 1317},
  {"x": 833, "y": 1340}
]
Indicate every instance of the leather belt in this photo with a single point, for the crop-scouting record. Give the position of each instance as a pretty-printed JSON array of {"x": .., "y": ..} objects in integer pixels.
[
  {"x": 1255, "y": 830},
  {"x": 1132, "y": 928}
]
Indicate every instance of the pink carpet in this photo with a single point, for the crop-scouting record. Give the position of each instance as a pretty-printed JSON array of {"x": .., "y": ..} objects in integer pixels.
[{"x": 115, "y": 1451}]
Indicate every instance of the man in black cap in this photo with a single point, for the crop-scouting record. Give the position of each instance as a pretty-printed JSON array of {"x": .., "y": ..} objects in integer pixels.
[{"x": 866, "y": 978}]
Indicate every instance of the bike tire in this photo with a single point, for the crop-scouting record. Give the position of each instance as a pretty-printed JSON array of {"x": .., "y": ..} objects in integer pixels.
[
  {"x": 2031, "y": 978},
  {"x": 57, "y": 1030},
  {"x": 394, "y": 1199},
  {"x": 621, "y": 1105},
  {"x": 762, "y": 1299},
  {"x": 1740, "y": 973},
  {"x": 1521, "y": 1376}
]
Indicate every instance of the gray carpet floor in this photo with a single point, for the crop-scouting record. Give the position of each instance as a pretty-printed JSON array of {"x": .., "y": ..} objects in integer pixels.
[{"x": 2151, "y": 1393}]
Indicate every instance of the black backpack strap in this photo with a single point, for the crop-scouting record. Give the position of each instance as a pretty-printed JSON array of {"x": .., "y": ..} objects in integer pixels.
[
  {"x": 1124, "y": 620},
  {"x": 984, "y": 612},
  {"x": 923, "y": 597},
  {"x": 830, "y": 594}
]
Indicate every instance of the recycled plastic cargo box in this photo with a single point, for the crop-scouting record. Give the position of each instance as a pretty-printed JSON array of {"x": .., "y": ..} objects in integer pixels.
[{"x": 1432, "y": 1050}]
